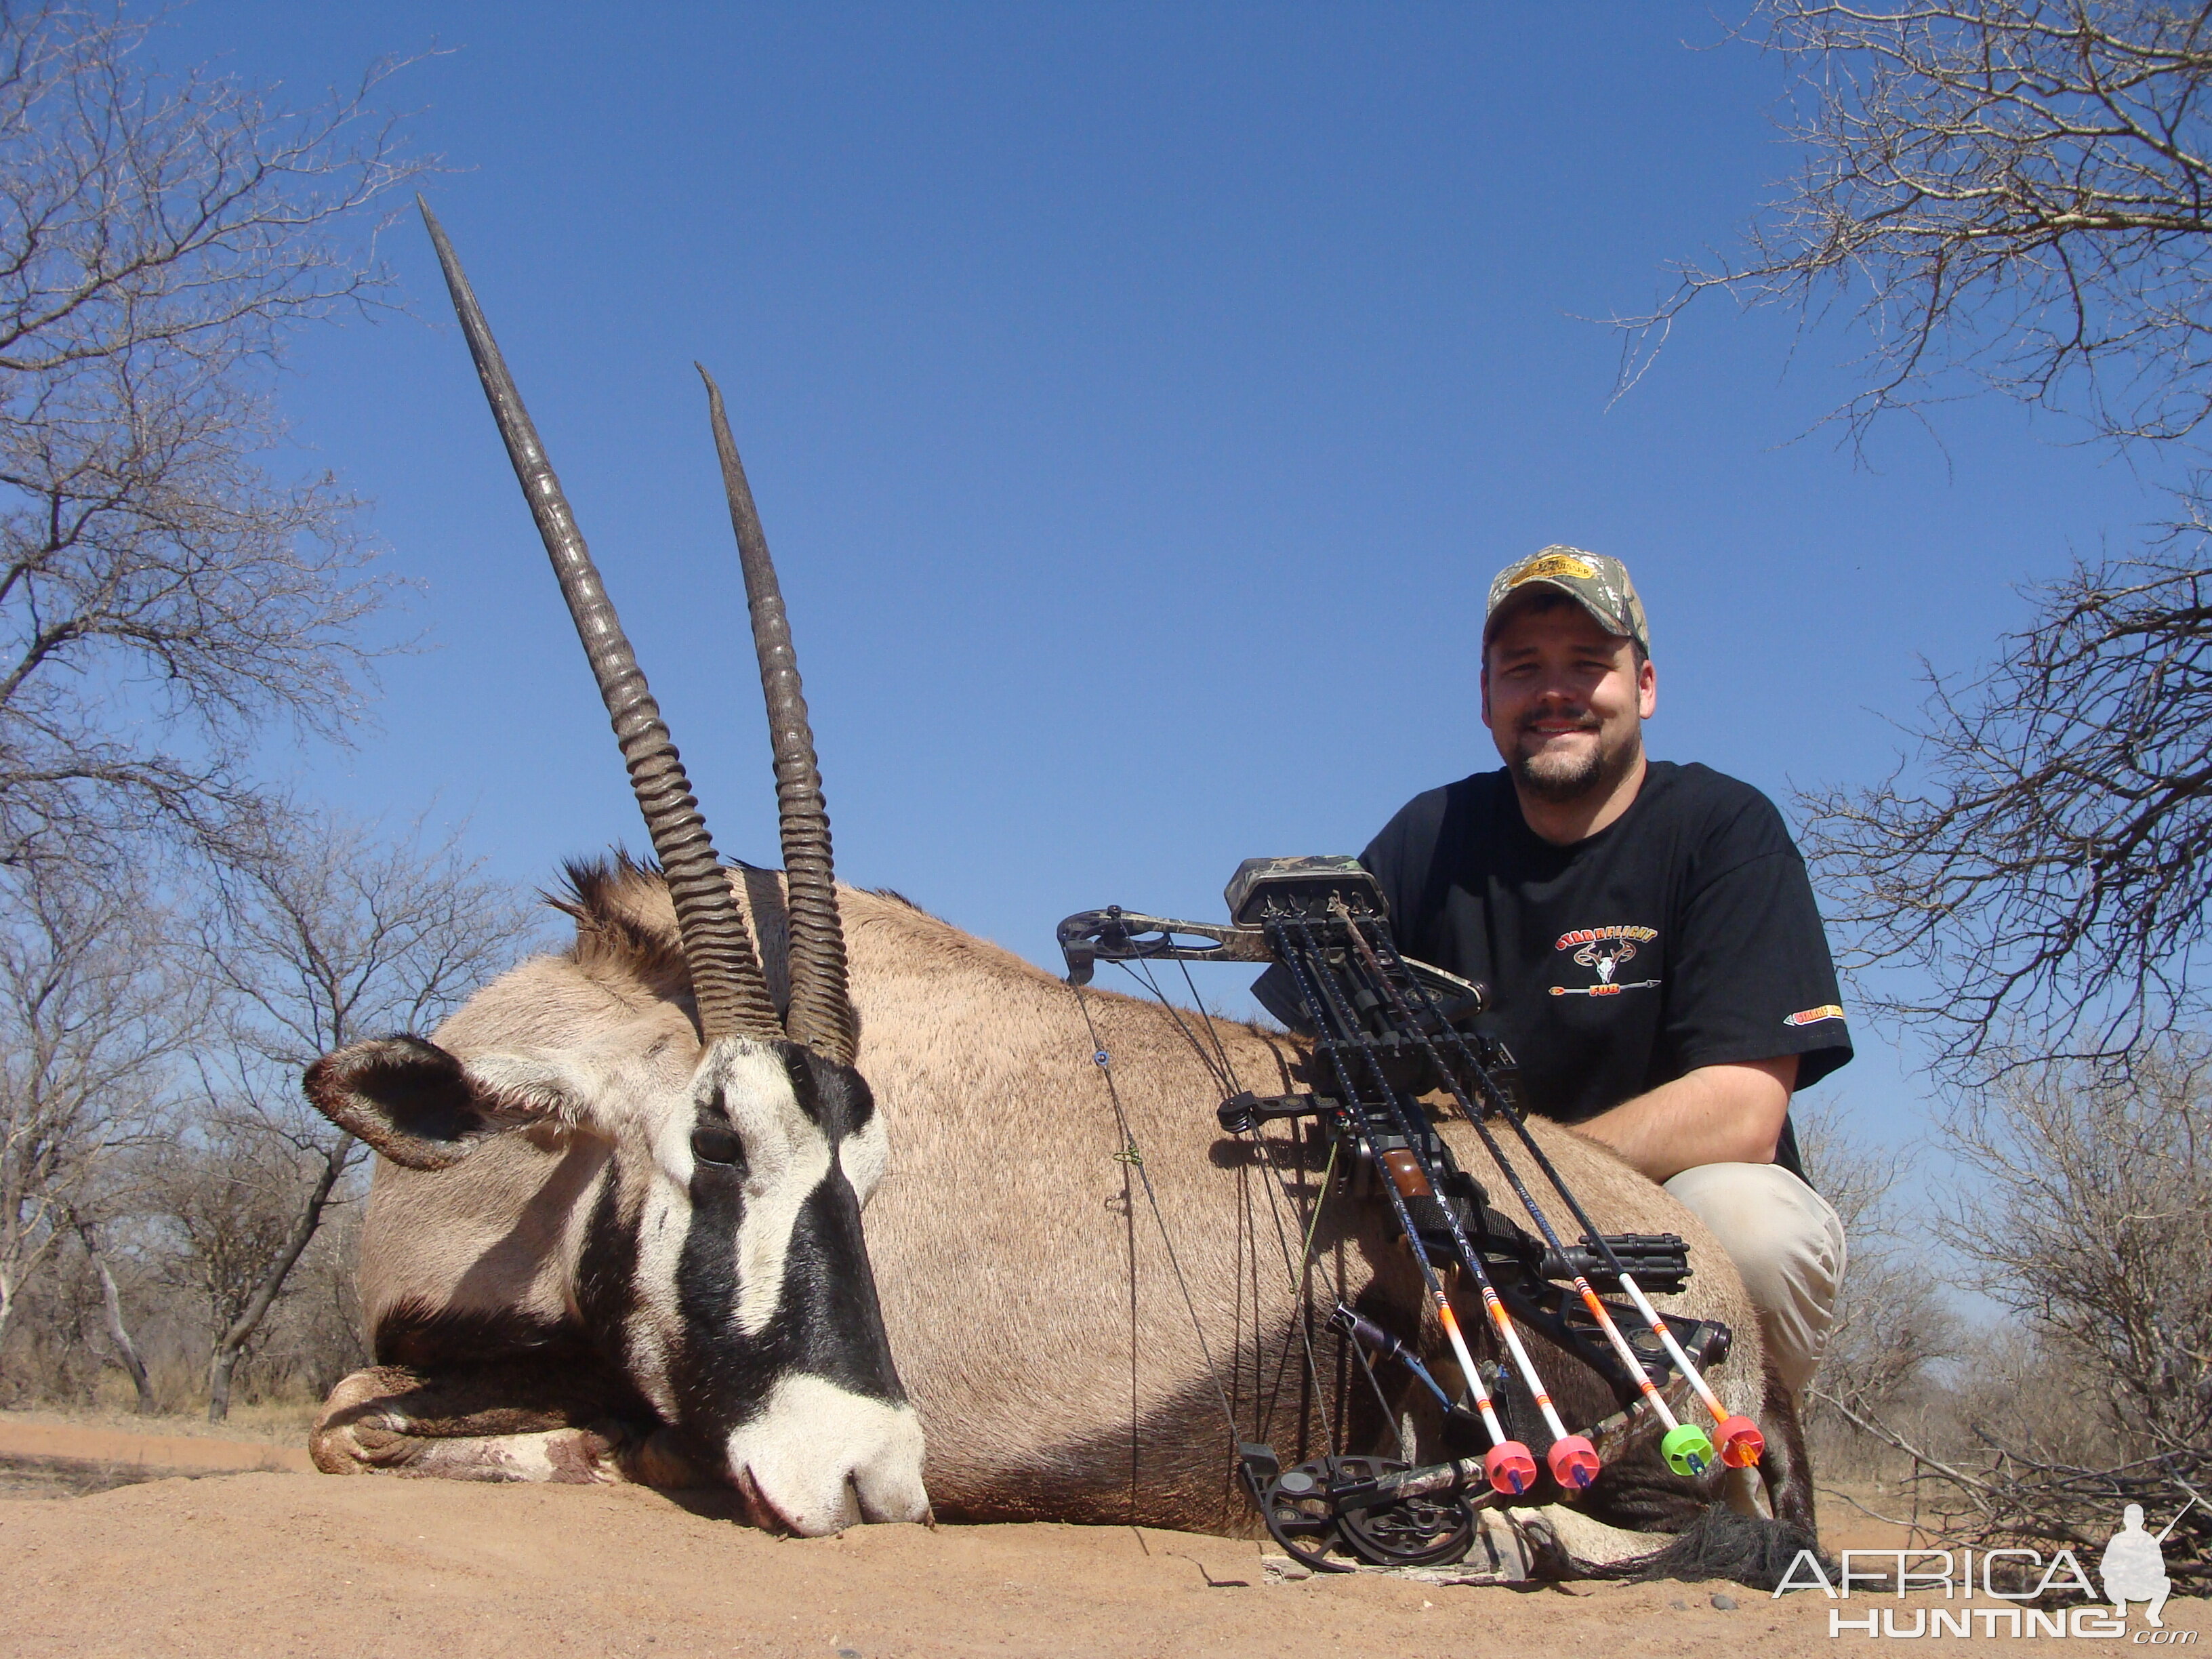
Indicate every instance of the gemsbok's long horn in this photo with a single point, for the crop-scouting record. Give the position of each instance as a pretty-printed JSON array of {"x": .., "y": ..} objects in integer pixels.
[
  {"x": 726, "y": 979},
  {"x": 821, "y": 1014}
]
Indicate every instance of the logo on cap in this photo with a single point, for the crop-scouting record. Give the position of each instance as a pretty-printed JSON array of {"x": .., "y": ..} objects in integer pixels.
[{"x": 1550, "y": 564}]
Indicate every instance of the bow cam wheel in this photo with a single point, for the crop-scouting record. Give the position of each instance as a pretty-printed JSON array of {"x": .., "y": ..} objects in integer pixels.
[
  {"x": 1418, "y": 1532},
  {"x": 1300, "y": 1517}
]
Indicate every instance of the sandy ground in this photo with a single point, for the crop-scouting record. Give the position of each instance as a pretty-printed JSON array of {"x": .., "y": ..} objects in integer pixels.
[
  {"x": 176, "y": 1447},
  {"x": 258, "y": 1561}
]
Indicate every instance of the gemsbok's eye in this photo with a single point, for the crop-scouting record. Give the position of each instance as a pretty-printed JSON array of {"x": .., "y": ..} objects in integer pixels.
[{"x": 712, "y": 1146}]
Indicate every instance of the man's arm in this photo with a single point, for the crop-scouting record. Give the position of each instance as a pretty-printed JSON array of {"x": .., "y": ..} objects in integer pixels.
[{"x": 1728, "y": 1113}]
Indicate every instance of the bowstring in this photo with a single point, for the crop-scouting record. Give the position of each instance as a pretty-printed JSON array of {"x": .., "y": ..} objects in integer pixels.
[
  {"x": 1222, "y": 1070},
  {"x": 1131, "y": 1157},
  {"x": 1197, "y": 1002},
  {"x": 1405, "y": 1452},
  {"x": 1300, "y": 1280},
  {"x": 1221, "y": 1075}
]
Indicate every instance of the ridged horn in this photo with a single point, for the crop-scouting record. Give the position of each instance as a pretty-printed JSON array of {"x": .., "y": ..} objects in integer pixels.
[
  {"x": 726, "y": 979},
  {"x": 821, "y": 1014}
]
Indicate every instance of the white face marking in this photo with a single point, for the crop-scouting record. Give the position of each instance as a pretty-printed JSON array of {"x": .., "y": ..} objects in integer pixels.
[
  {"x": 787, "y": 1157},
  {"x": 825, "y": 1458},
  {"x": 865, "y": 1155}
]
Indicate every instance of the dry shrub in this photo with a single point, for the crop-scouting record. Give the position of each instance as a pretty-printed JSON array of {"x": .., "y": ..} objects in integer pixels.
[
  {"x": 1894, "y": 1328},
  {"x": 2084, "y": 1211}
]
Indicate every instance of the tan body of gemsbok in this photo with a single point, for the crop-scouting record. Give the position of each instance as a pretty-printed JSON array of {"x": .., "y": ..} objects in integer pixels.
[{"x": 615, "y": 1231}]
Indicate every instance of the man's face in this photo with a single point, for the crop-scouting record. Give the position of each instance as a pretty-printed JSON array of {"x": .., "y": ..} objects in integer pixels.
[{"x": 1564, "y": 701}]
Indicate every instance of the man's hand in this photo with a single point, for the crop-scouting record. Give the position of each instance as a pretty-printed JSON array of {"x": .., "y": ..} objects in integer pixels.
[{"x": 1714, "y": 1115}]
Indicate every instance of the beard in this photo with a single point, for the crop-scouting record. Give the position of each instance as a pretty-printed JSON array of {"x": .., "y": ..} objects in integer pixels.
[{"x": 1560, "y": 777}]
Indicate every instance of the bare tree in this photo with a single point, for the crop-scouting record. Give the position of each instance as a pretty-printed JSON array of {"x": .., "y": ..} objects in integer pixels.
[
  {"x": 233, "y": 1197},
  {"x": 162, "y": 595},
  {"x": 111, "y": 1301},
  {"x": 2012, "y": 195},
  {"x": 2089, "y": 1214},
  {"x": 2046, "y": 865},
  {"x": 323, "y": 937},
  {"x": 92, "y": 1013},
  {"x": 2015, "y": 196}
]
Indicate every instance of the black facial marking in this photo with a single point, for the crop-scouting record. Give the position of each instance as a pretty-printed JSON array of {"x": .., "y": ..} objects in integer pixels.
[
  {"x": 829, "y": 1296},
  {"x": 826, "y": 1322},
  {"x": 721, "y": 1376},
  {"x": 606, "y": 1272},
  {"x": 834, "y": 1097}
]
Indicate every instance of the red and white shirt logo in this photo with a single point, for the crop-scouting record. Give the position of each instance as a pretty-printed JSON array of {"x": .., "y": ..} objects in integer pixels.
[{"x": 1604, "y": 951}]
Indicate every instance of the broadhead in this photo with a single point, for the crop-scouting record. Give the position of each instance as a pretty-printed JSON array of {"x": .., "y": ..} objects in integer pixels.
[
  {"x": 1742, "y": 1444},
  {"x": 1686, "y": 1449},
  {"x": 1573, "y": 1462},
  {"x": 1509, "y": 1467}
]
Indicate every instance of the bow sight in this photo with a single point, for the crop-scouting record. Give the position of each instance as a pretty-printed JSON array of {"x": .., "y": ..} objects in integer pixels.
[{"x": 1387, "y": 1030}]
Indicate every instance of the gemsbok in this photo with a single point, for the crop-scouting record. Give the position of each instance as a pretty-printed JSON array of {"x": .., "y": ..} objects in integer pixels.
[{"x": 615, "y": 1230}]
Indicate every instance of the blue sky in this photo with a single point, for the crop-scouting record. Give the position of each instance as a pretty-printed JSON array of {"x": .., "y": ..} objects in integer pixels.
[{"x": 1139, "y": 400}]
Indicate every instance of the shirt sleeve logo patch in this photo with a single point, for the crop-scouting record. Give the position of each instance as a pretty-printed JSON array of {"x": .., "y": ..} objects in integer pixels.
[
  {"x": 1814, "y": 1016},
  {"x": 1603, "y": 951}
]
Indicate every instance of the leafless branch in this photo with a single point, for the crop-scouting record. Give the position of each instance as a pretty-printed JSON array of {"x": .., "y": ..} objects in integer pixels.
[
  {"x": 163, "y": 596},
  {"x": 2007, "y": 195},
  {"x": 92, "y": 1009},
  {"x": 2043, "y": 866}
]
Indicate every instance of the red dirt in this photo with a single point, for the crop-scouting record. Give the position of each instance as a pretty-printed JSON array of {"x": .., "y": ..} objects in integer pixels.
[
  {"x": 95, "y": 1444},
  {"x": 280, "y": 1564}
]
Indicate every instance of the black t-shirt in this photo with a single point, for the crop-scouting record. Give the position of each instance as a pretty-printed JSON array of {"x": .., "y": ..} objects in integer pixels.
[{"x": 1682, "y": 934}]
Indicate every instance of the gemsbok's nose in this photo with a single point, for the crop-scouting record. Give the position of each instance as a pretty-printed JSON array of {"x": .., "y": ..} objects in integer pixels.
[{"x": 820, "y": 1458}]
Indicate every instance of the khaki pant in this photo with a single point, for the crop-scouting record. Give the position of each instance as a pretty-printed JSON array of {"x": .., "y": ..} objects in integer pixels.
[{"x": 1787, "y": 1241}]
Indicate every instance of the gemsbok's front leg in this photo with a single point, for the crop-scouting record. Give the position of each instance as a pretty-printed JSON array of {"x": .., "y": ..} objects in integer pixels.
[{"x": 483, "y": 1424}]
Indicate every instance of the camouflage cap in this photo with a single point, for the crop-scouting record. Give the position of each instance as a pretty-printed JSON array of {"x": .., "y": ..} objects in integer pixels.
[{"x": 1599, "y": 585}]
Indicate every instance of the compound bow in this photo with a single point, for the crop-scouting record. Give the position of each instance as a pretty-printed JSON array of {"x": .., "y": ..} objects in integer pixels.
[{"x": 1387, "y": 1030}]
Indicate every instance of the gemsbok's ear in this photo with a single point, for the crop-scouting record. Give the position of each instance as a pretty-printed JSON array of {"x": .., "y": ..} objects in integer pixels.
[{"x": 420, "y": 1107}]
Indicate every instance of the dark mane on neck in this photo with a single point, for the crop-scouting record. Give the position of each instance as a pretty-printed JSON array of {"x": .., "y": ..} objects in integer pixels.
[{"x": 624, "y": 920}]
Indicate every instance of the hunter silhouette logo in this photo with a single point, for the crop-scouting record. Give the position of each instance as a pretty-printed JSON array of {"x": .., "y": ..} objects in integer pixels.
[
  {"x": 2133, "y": 1565},
  {"x": 1603, "y": 950}
]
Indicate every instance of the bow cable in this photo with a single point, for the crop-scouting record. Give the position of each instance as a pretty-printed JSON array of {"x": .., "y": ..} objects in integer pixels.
[
  {"x": 1224, "y": 1077},
  {"x": 1131, "y": 1156}
]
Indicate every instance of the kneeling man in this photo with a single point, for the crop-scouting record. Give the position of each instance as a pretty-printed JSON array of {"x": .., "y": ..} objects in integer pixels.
[{"x": 1658, "y": 964}]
